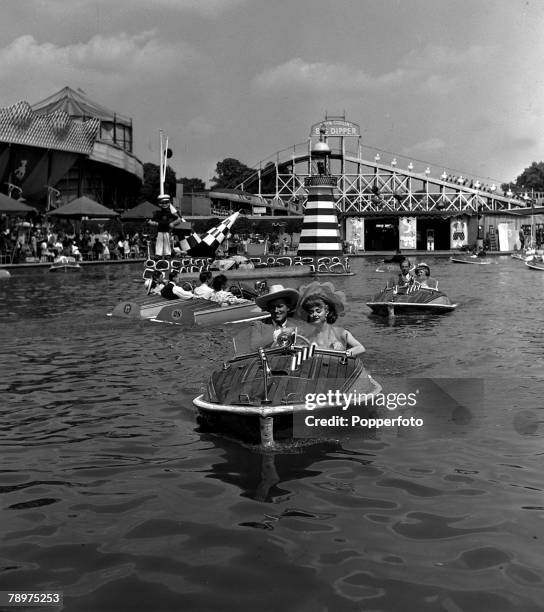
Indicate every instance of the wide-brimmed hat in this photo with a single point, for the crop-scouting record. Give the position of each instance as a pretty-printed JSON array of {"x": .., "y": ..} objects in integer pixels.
[
  {"x": 277, "y": 292},
  {"x": 423, "y": 265},
  {"x": 325, "y": 292}
]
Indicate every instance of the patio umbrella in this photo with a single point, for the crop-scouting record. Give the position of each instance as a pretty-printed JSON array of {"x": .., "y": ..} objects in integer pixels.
[
  {"x": 144, "y": 210},
  {"x": 9, "y": 205},
  {"x": 83, "y": 207}
]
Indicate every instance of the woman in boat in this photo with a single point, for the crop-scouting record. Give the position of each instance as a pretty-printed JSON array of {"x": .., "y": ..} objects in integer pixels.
[
  {"x": 322, "y": 305},
  {"x": 423, "y": 276},
  {"x": 155, "y": 284}
]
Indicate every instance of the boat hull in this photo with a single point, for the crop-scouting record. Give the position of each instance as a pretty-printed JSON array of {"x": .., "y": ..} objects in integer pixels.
[
  {"x": 388, "y": 303},
  {"x": 65, "y": 268},
  {"x": 475, "y": 261},
  {"x": 242, "y": 402},
  {"x": 193, "y": 312},
  {"x": 539, "y": 267}
]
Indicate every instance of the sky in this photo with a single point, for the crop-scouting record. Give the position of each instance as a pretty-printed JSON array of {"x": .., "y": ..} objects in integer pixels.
[{"x": 454, "y": 84}]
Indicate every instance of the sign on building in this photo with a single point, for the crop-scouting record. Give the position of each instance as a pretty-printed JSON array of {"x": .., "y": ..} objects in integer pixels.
[
  {"x": 458, "y": 233},
  {"x": 355, "y": 234},
  {"x": 407, "y": 232},
  {"x": 336, "y": 128}
]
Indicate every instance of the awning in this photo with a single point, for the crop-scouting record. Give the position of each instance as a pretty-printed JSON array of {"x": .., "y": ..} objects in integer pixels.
[
  {"x": 83, "y": 207},
  {"x": 235, "y": 195},
  {"x": 10, "y": 205}
]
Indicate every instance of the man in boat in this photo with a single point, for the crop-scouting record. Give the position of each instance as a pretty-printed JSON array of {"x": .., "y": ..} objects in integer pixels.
[
  {"x": 423, "y": 276},
  {"x": 171, "y": 291},
  {"x": 163, "y": 219},
  {"x": 280, "y": 303},
  {"x": 404, "y": 278},
  {"x": 204, "y": 290}
]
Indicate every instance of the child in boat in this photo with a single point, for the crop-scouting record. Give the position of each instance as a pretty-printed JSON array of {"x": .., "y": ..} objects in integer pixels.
[
  {"x": 322, "y": 306},
  {"x": 204, "y": 290},
  {"x": 423, "y": 276},
  {"x": 221, "y": 295}
]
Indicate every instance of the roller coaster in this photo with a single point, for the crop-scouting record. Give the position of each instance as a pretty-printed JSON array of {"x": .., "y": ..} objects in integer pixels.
[{"x": 369, "y": 185}]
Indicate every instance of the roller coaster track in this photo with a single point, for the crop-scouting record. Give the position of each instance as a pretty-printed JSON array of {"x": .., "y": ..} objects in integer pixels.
[{"x": 374, "y": 187}]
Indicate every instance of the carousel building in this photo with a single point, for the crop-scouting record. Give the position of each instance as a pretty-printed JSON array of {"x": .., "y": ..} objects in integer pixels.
[{"x": 67, "y": 146}]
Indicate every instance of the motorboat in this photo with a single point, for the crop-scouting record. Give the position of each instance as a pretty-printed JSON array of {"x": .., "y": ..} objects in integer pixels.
[
  {"x": 412, "y": 299},
  {"x": 65, "y": 263},
  {"x": 471, "y": 259},
  {"x": 190, "y": 312},
  {"x": 261, "y": 397},
  {"x": 535, "y": 265}
]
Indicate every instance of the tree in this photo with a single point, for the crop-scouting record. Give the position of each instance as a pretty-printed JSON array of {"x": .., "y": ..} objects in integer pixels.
[
  {"x": 230, "y": 173},
  {"x": 532, "y": 178},
  {"x": 192, "y": 185},
  {"x": 151, "y": 183}
]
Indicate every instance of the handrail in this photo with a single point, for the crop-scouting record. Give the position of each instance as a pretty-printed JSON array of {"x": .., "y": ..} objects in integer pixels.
[{"x": 286, "y": 350}]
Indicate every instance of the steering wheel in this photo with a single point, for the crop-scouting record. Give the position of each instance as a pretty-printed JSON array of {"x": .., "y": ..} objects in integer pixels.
[
  {"x": 304, "y": 340},
  {"x": 285, "y": 340}
]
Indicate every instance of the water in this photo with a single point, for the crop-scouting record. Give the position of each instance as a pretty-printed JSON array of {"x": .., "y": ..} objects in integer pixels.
[{"x": 109, "y": 493}]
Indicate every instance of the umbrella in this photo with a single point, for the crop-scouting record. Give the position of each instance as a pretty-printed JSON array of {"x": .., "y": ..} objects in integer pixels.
[
  {"x": 83, "y": 207},
  {"x": 9, "y": 205},
  {"x": 144, "y": 210}
]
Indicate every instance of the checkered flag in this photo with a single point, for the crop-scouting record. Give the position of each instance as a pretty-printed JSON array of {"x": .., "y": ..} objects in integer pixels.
[{"x": 208, "y": 244}]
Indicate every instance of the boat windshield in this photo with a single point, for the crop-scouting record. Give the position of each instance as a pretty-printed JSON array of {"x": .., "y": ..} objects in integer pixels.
[{"x": 248, "y": 337}]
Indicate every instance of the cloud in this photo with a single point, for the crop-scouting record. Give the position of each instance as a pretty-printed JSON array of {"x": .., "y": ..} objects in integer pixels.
[
  {"x": 206, "y": 8},
  {"x": 432, "y": 69},
  {"x": 321, "y": 76},
  {"x": 108, "y": 61}
]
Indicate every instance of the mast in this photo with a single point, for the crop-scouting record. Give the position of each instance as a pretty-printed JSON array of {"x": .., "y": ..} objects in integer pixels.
[{"x": 163, "y": 148}]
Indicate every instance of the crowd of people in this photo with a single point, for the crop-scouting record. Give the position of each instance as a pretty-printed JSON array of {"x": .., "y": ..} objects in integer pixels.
[{"x": 37, "y": 243}]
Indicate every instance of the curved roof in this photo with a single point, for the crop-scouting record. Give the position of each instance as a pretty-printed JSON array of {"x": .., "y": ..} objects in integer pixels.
[
  {"x": 19, "y": 124},
  {"x": 78, "y": 106}
]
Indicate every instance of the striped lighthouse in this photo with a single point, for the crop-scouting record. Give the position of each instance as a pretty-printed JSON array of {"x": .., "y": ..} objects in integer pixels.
[{"x": 320, "y": 235}]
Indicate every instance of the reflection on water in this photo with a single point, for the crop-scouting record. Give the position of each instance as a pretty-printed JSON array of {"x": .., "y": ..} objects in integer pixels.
[{"x": 110, "y": 493}]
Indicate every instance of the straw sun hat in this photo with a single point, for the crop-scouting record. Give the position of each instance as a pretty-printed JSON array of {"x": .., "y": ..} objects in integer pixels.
[
  {"x": 325, "y": 292},
  {"x": 423, "y": 265}
]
